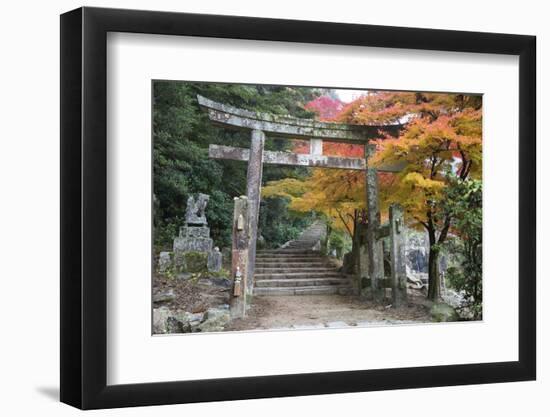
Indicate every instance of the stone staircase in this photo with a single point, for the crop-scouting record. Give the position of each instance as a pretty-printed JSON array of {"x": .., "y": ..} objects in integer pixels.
[{"x": 298, "y": 269}]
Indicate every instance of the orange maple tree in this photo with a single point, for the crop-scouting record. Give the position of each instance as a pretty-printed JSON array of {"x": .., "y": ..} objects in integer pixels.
[{"x": 440, "y": 142}]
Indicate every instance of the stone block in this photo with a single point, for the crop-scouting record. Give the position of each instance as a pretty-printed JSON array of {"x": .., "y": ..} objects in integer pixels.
[
  {"x": 164, "y": 296},
  {"x": 165, "y": 261},
  {"x": 160, "y": 315},
  {"x": 214, "y": 261},
  {"x": 195, "y": 231},
  {"x": 190, "y": 262},
  {"x": 215, "y": 320},
  {"x": 195, "y": 244}
]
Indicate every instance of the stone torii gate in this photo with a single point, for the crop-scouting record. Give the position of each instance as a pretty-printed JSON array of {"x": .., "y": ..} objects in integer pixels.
[{"x": 245, "y": 235}]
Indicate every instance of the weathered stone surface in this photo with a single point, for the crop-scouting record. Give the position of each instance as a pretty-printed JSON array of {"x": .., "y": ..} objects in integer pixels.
[
  {"x": 195, "y": 231},
  {"x": 164, "y": 296},
  {"x": 215, "y": 320},
  {"x": 173, "y": 325},
  {"x": 194, "y": 213},
  {"x": 195, "y": 319},
  {"x": 159, "y": 320},
  {"x": 195, "y": 261},
  {"x": 294, "y": 159},
  {"x": 165, "y": 261},
  {"x": 170, "y": 321},
  {"x": 253, "y": 186},
  {"x": 222, "y": 283},
  {"x": 194, "y": 237},
  {"x": 374, "y": 246},
  {"x": 286, "y": 126},
  {"x": 287, "y": 158},
  {"x": 363, "y": 258},
  {"x": 416, "y": 251},
  {"x": 397, "y": 256},
  {"x": 239, "y": 255},
  {"x": 442, "y": 312},
  {"x": 214, "y": 262},
  {"x": 316, "y": 146},
  {"x": 195, "y": 244}
]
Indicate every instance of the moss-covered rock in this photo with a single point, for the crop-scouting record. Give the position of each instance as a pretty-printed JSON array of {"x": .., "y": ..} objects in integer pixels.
[
  {"x": 442, "y": 312},
  {"x": 215, "y": 320},
  {"x": 193, "y": 262}
]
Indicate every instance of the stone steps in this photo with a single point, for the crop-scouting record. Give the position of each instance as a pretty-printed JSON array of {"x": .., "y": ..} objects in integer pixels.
[
  {"x": 307, "y": 254},
  {"x": 291, "y": 259},
  {"x": 261, "y": 270},
  {"x": 308, "y": 290},
  {"x": 286, "y": 251},
  {"x": 301, "y": 282},
  {"x": 319, "y": 264},
  {"x": 296, "y": 269},
  {"x": 297, "y": 275}
]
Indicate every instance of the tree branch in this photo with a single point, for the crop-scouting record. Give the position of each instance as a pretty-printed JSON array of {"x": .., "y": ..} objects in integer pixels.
[
  {"x": 344, "y": 221},
  {"x": 445, "y": 229}
]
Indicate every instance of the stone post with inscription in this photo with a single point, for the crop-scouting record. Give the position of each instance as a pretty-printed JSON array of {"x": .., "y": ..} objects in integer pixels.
[
  {"x": 397, "y": 256},
  {"x": 239, "y": 256}
]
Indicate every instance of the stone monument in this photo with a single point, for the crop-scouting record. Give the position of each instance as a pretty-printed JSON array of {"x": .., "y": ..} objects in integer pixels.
[
  {"x": 195, "y": 235},
  {"x": 194, "y": 240}
]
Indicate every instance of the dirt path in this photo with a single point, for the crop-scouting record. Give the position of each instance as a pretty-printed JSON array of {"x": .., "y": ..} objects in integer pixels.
[{"x": 318, "y": 311}]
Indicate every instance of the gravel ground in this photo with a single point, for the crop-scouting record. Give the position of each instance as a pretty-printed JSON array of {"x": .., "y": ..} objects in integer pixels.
[{"x": 300, "y": 312}]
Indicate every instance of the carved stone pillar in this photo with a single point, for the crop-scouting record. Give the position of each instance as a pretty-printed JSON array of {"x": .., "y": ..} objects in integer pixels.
[
  {"x": 397, "y": 255},
  {"x": 253, "y": 189},
  {"x": 239, "y": 256},
  {"x": 374, "y": 246},
  {"x": 363, "y": 258}
]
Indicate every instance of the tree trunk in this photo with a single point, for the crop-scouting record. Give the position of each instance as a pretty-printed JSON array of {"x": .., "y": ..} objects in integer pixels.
[{"x": 434, "y": 284}]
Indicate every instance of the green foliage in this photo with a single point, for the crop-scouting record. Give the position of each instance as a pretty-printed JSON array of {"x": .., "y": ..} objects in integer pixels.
[
  {"x": 339, "y": 241},
  {"x": 278, "y": 224},
  {"x": 181, "y": 135},
  {"x": 194, "y": 261},
  {"x": 464, "y": 202}
]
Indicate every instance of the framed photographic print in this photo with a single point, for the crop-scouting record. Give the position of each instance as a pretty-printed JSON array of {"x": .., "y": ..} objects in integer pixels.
[{"x": 257, "y": 208}]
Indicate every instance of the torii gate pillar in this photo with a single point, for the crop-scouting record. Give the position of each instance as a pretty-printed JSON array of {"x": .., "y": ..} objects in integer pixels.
[
  {"x": 375, "y": 249},
  {"x": 253, "y": 187}
]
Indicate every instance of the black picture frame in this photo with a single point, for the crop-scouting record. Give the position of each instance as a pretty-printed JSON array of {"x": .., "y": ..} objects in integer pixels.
[{"x": 84, "y": 207}]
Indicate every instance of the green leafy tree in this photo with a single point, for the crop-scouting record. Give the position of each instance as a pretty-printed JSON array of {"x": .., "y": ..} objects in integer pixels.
[
  {"x": 464, "y": 203},
  {"x": 182, "y": 133}
]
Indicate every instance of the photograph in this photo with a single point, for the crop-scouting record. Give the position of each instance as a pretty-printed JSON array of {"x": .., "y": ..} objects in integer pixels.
[{"x": 281, "y": 208}]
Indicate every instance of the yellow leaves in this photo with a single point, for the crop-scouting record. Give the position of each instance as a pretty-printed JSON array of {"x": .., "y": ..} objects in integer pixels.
[
  {"x": 417, "y": 180},
  {"x": 287, "y": 187},
  {"x": 468, "y": 123},
  {"x": 334, "y": 192},
  {"x": 443, "y": 135}
]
